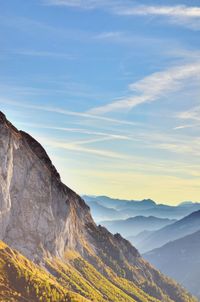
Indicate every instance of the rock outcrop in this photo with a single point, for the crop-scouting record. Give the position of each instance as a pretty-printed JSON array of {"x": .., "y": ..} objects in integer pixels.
[
  {"x": 39, "y": 215},
  {"x": 51, "y": 225}
]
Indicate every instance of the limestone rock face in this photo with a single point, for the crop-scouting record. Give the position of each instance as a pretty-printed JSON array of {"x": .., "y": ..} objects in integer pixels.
[
  {"x": 38, "y": 214},
  {"x": 46, "y": 221}
]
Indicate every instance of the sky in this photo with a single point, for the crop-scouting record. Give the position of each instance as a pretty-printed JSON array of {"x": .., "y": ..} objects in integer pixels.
[{"x": 111, "y": 89}]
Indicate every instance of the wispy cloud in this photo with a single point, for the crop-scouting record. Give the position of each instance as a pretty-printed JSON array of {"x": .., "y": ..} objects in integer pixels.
[
  {"x": 187, "y": 126},
  {"x": 109, "y": 35},
  {"x": 192, "y": 148},
  {"x": 176, "y": 11},
  {"x": 139, "y": 162},
  {"x": 152, "y": 87},
  {"x": 114, "y": 36},
  {"x": 180, "y": 14},
  {"x": 186, "y": 145},
  {"x": 105, "y": 135},
  {"x": 150, "y": 140},
  {"x": 128, "y": 37},
  {"x": 56, "y": 86},
  {"x": 183, "y": 53},
  {"x": 183, "y": 127},
  {"x": 192, "y": 114},
  {"x": 78, "y": 147},
  {"x": 68, "y": 112},
  {"x": 188, "y": 16}
]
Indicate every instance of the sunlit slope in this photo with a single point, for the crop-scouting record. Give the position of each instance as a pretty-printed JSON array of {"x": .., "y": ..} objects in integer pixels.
[
  {"x": 73, "y": 259},
  {"x": 74, "y": 280},
  {"x": 23, "y": 281},
  {"x": 82, "y": 277}
]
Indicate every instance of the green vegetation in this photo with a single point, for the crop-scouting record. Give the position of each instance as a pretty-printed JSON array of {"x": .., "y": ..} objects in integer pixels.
[
  {"x": 23, "y": 281},
  {"x": 74, "y": 280}
]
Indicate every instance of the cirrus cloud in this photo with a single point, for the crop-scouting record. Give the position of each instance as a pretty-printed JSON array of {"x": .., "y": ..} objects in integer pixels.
[
  {"x": 153, "y": 87},
  {"x": 184, "y": 15}
]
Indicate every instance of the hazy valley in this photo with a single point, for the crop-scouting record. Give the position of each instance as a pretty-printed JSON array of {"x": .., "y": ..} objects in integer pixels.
[
  {"x": 51, "y": 248},
  {"x": 169, "y": 239}
]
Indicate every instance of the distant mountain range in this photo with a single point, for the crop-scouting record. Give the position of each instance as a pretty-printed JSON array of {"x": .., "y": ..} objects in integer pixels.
[
  {"x": 176, "y": 230},
  {"x": 51, "y": 250},
  {"x": 135, "y": 225},
  {"x": 106, "y": 208},
  {"x": 98, "y": 211},
  {"x": 140, "y": 238},
  {"x": 169, "y": 236},
  {"x": 180, "y": 259},
  {"x": 119, "y": 203}
]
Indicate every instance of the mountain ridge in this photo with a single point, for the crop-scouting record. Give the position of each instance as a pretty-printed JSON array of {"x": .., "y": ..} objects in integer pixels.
[
  {"x": 130, "y": 208},
  {"x": 132, "y": 226},
  {"x": 180, "y": 259},
  {"x": 52, "y": 227},
  {"x": 185, "y": 226}
]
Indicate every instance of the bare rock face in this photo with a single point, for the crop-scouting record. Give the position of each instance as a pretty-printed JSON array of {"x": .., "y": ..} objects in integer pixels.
[
  {"x": 41, "y": 217},
  {"x": 38, "y": 214}
]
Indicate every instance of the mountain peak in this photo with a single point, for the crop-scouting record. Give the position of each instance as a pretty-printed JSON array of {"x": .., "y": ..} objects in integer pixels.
[
  {"x": 38, "y": 210},
  {"x": 2, "y": 116},
  {"x": 37, "y": 148},
  {"x": 47, "y": 222},
  {"x": 7, "y": 123},
  {"x": 193, "y": 215},
  {"x": 148, "y": 200}
]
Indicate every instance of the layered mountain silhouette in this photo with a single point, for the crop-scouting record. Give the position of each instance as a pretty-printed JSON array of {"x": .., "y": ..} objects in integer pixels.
[
  {"x": 181, "y": 228},
  {"x": 135, "y": 225},
  {"x": 123, "y": 209},
  {"x": 51, "y": 249},
  {"x": 180, "y": 259},
  {"x": 98, "y": 211}
]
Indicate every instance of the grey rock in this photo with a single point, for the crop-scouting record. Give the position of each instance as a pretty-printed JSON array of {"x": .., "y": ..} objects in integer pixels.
[{"x": 39, "y": 215}]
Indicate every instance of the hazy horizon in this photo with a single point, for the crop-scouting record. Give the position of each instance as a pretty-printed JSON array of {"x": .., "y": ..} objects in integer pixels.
[
  {"x": 145, "y": 198},
  {"x": 110, "y": 89}
]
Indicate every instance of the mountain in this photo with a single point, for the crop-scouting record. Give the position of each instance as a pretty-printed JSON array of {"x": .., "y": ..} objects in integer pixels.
[
  {"x": 135, "y": 225},
  {"x": 180, "y": 228},
  {"x": 106, "y": 208},
  {"x": 119, "y": 203},
  {"x": 51, "y": 250},
  {"x": 180, "y": 259},
  {"x": 98, "y": 211},
  {"x": 189, "y": 204},
  {"x": 21, "y": 280},
  {"x": 147, "y": 207},
  {"x": 138, "y": 239}
]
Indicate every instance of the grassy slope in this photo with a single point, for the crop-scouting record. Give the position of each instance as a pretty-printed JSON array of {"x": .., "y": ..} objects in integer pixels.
[
  {"x": 23, "y": 281},
  {"x": 76, "y": 280},
  {"x": 82, "y": 277},
  {"x": 113, "y": 287}
]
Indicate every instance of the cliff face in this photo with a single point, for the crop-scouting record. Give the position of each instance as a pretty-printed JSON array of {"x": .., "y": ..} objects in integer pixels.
[
  {"x": 38, "y": 214},
  {"x": 48, "y": 223}
]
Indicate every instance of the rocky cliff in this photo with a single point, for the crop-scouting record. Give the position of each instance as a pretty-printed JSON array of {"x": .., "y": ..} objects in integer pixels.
[
  {"x": 38, "y": 213},
  {"x": 51, "y": 225}
]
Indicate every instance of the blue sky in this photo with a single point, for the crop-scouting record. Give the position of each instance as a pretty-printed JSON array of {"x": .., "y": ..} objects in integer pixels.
[{"x": 111, "y": 89}]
